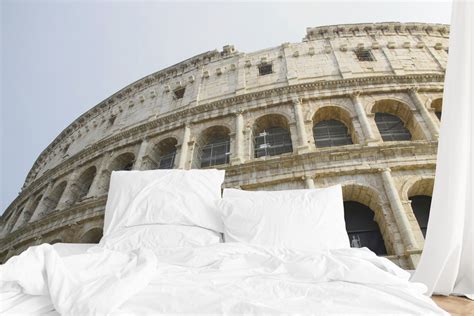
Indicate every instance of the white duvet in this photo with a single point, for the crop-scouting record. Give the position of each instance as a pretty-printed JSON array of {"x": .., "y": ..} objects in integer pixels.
[{"x": 225, "y": 278}]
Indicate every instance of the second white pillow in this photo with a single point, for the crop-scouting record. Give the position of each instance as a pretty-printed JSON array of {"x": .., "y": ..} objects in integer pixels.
[{"x": 305, "y": 220}]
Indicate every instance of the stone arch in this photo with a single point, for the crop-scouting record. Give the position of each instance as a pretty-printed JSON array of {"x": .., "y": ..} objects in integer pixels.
[
  {"x": 83, "y": 184},
  {"x": 419, "y": 193},
  {"x": 417, "y": 186},
  {"x": 92, "y": 236},
  {"x": 335, "y": 113},
  {"x": 162, "y": 154},
  {"x": 364, "y": 195},
  {"x": 437, "y": 106},
  {"x": 272, "y": 135},
  {"x": 122, "y": 161},
  {"x": 31, "y": 210},
  {"x": 14, "y": 217},
  {"x": 52, "y": 200},
  {"x": 402, "y": 111},
  {"x": 212, "y": 147}
]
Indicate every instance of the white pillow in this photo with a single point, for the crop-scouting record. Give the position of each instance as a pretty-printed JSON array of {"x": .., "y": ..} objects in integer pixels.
[
  {"x": 306, "y": 220},
  {"x": 187, "y": 197},
  {"x": 157, "y": 237}
]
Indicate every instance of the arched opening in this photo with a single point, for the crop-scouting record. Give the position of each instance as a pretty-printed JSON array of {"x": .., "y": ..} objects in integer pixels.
[
  {"x": 29, "y": 213},
  {"x": 421, "y": 205},
  {"x": 364, "y": 219},
  {"x": 391, "y": 127},
  {"x": 213, "y": 147},
  {"x": 164, "y": 153},
  {"x": 420, "y": 196},
  {"x": 332, "y": 126},
  {"x": 84, "y": 183},
  {"x": 55, "y": 241},
  {"x": 437, "y": 106},
  {"x": 330, "y": 133},
  {"x": 52, "y": 200},
  {"x": 122, "y": 162},
  {"x": 362, "y": 229},
  {"x": 396, "y": 122},
  {"x": 92, "y": 236},
  {"x": 271, "y": 136}
]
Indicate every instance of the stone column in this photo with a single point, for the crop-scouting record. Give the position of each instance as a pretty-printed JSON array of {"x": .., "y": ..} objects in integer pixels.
[
  {"x": 98, "y": 184},
  {"x": 23, "y": 217},
  {"x": 237, "y": 156},
  {"x": 364, "y": 121},
  {"x": 40, "y": 208},
  {"x": 183, "y": 154},
  {"x": 249, "y": 144},
  {"x": 399, "y": 213},
  {"x": 142, "y": 152},
  {"x": 302, "y": 144},
  {"x": 427, "y": 117},
  {"x": 68, "y": 193},
  {"x": 309, "y": 182}
]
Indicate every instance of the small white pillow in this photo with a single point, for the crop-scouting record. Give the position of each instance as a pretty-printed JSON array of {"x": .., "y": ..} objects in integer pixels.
[
  {"x": 179, "y": 197},
  {"x": 157, "y": 237},
  {"x": 306, "y": 220}
]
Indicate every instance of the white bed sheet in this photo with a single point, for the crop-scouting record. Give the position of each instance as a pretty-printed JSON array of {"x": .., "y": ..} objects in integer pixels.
[
  {"x": 18, "y": 303},
  {"x": 227, "y": 278}
]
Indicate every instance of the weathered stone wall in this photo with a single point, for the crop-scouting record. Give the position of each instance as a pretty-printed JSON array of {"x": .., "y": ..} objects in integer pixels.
[{"x": 320, "y": 78}]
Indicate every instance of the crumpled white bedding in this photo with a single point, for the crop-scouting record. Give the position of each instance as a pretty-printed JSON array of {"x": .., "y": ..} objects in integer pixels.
[{"x": 225, "y": 278}]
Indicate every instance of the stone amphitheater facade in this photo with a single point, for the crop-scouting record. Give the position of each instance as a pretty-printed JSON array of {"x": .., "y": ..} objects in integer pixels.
[{"x": 344, "y": 73}]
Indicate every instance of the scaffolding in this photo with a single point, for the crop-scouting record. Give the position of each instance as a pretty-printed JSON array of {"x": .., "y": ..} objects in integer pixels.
[
  {"x": 215, "y": 153},
  {"x": 167, "y": 161},
  {"x": 272, "y": 142},
  {"x": 331, "y": 133}
]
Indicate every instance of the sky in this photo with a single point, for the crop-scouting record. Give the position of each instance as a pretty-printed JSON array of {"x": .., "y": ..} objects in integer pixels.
[{"x": 61, "y": 58}]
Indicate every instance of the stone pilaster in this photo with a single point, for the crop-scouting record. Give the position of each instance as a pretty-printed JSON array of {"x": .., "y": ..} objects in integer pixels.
[
  {"x": 309, "y": 182},
  {"x": 142, "y": 152},
  {"x": 399, "y": 213},
  {"x": 427, "y": 117},
  {"x": 364, "y": 121},
  {"x": 42, "y": 204},
  {"x": 23, "y": 217},
  {"x": 99, "y": 182},
  {"x": 237, "y": 155},
  {"x": 302, "y": 144},
  {"x": 68, "y": 193},
  {"x": 184, "y": 148}
]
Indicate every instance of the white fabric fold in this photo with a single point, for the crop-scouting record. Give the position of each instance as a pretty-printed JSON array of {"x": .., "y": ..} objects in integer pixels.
[{"x": 447, "y": 262}]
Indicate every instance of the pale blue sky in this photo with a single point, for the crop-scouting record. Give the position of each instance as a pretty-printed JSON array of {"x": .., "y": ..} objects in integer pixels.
[{"x": 60, "y": 58}]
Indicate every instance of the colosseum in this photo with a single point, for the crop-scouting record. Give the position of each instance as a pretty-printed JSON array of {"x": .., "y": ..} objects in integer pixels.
[{"x": 355, "y": 104}]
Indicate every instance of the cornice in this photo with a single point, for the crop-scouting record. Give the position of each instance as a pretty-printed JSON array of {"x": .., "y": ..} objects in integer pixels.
[
  {"x": 53, "y": 221},
  {"x": 416, "y": 155},
  {"x": 171, "y": 120},
  {"x": 385, "y": 28},
  {"x": 203, "y": 59}
]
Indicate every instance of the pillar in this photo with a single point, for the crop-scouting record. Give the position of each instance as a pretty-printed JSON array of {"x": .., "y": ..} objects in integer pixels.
[
  {"x": 41, "y": 205},
  {"x": 399, "y": 213},
  {"x": 142, "y": 152},
  {"x": 98, "y": 185},
  {"x": 22, "y": 218},
  {"x": 237, "y": 155},
  {"x": 425, "y": 114},
  {"x": 364, "y": 121},
  {"x": 68, "y": 193},
  {"x": 302, "y": 145},
  {"x": 183, "y": 153},
  {"x": 309, "y": 182}
]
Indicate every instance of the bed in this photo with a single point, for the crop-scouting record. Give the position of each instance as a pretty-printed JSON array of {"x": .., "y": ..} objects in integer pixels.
[{"x": 162, "y": 255}]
